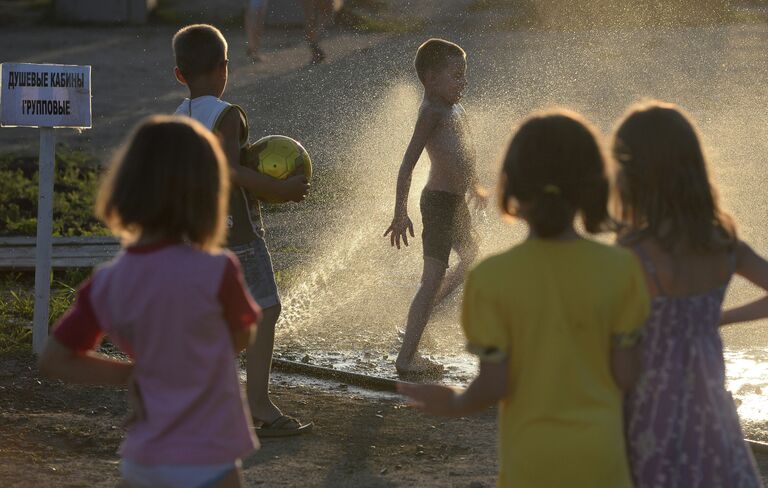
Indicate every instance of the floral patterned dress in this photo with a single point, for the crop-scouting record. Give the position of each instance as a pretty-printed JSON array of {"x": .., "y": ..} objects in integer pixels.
[{"x": 682, "y": 426}]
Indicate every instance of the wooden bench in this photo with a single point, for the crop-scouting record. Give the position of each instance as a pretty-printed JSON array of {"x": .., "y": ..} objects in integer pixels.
[{"x": 18, "y": 253}]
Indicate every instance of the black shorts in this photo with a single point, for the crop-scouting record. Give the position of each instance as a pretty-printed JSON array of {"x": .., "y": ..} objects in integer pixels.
[{"x": 447, "y": 224}]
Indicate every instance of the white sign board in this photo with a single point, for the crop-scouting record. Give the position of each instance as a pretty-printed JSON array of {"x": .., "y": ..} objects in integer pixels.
[{"x": 45, "y": 95}]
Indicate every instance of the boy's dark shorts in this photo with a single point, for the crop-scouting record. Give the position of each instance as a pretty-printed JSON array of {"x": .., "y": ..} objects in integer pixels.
[
  {"x": 257, "y": 271},
  {"x": 447, "y": 224}
]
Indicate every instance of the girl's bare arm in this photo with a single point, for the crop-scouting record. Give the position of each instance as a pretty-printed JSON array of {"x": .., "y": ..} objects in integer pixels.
[
  {"x": 477, "y": 191},
  {"x": 242, "y": 338},
  {"x": 626, "y": 364},
  {"x": 57, "y": 361},
  {"x": 487, "y": 389},
  {"x": 754, "y": 268},
  {"x": 294, "y": 188}
]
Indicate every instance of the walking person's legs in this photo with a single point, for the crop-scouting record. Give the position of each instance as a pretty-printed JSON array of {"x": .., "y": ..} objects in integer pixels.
[
  {"x": 408, "y": 360},
  {"x": 259, "y": 275},
  {"x": 258, "y": 367},
  {"x": 255, "y": 14},
  {"x": 312, "y": 24}
]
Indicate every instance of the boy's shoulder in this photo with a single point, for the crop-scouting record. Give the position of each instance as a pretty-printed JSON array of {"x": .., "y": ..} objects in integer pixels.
[
  {"x": 208, "y": 104},
  {"x": 235, "y": 116},
  {"x": 432, "y": 109},
  {"x": 215, "y": 113}
]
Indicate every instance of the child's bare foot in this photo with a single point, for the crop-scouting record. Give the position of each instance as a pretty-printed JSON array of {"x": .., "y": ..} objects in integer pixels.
[
  {"x": 420, "y": 366},
  {"x": 400, "y": 335}
]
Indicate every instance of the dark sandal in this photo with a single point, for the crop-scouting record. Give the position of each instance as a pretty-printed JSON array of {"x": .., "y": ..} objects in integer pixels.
[
  {"x": 283, "y": 426},
  {"x": 318, "y": 55}
]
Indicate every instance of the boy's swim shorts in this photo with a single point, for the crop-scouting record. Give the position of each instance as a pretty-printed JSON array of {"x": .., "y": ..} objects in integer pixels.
[{"x": 447, "y": 224}]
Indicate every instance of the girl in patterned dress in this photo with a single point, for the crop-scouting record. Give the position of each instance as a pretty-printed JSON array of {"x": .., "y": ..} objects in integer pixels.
[
  {"x": 554, "y": 319},
  {"x": 682, "y": 426}
]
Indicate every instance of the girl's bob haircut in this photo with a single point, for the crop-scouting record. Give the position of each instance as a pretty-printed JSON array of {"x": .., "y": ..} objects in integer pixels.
[
  {"x": 553, "y": 170},
  {"x": 169, "y": 180},
  {"x": 664, "y": 185}
]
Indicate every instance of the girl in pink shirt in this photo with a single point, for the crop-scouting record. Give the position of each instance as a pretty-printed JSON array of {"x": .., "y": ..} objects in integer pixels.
[{"x": 175, "y": 303}]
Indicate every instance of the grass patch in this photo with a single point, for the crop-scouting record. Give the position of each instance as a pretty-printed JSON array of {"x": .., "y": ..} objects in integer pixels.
[
  {"x": 17, "y": 305},
  {"x": 75, "y": 183}
]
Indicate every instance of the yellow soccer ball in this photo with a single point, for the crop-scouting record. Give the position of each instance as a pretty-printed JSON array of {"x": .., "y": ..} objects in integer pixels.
[{"x": 278, "y": 157}]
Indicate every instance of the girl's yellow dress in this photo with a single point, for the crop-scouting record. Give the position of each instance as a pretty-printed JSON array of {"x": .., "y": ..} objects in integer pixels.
[{"x": 552, "y": 308}]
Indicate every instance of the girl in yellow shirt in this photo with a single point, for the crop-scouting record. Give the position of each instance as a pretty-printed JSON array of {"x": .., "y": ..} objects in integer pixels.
[{"x": 554, "y": 320}]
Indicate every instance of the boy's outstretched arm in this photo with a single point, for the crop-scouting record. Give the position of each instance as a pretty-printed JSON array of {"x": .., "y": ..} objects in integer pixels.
[
  {"x": 57, "y": 361},
  {"x": 401, "y": 223},
  {"x": 487, "y": 389},
  {"x": 291, "y": 189},
  {"x": 477, "y": 192},
  {"x": 754, "y": 268}
]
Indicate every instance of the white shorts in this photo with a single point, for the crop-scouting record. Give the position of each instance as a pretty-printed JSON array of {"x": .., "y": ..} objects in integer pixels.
[{"x": 174, "y": 475}]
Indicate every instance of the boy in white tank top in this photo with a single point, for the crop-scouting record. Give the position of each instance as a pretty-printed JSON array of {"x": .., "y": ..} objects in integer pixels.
[{"x": 201, "y": 64}]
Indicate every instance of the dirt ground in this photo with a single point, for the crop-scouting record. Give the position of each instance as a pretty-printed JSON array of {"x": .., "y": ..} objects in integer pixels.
[
  {"x": 59, "y": 435},
  {"x": 53, "y": 434}
]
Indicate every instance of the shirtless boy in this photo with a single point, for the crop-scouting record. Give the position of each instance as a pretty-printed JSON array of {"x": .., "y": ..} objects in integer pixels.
[{"x": 443, "y": 129}]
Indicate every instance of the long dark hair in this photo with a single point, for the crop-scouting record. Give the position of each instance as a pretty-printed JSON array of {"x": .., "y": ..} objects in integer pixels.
[{"x": 664, "y": 185}]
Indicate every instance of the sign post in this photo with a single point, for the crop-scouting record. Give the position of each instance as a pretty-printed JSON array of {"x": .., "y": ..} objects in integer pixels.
[
  {"x": 47, "y": 96},
  {"x": 44, "y": 238}
]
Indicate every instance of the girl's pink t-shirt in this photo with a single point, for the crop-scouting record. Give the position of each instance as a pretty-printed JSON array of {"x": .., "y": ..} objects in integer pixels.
[{"x": 171, "y": 307}]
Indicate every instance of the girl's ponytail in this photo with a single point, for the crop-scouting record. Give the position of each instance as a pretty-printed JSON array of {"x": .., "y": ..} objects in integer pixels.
[{"x": 550, "y": 213}]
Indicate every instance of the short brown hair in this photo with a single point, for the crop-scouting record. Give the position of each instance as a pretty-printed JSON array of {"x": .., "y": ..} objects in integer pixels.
[
  {"x": 432, "y": 55},
  {"x": 555, "y": 165},
  {"x": 664, "y": 185},
  {"x": 199, "y": 49},
  {"x": 170, "y": 178}
]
